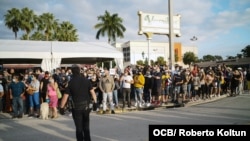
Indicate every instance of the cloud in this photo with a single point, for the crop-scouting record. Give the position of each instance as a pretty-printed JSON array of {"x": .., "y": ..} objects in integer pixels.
[{"x": 214, "y": 22}]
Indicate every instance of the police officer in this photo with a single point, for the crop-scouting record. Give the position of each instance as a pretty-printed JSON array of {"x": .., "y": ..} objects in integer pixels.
[{"x": 80, "y": 89}]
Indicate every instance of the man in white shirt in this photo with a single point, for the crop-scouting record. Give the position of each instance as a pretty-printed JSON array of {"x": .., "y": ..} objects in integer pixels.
[{"x": 126, "y": 81}]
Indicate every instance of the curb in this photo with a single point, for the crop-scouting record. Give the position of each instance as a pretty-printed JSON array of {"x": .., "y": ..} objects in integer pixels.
[
  {"x": 169, "y": 105},
  {"x": 125, "y": 110},
  {"x": 207, "y": 100}
]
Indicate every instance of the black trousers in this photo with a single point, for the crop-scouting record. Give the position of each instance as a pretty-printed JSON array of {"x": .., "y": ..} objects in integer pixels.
[
  {"x": 126, "y": 94},
  {"x": 81, "y": 120}
]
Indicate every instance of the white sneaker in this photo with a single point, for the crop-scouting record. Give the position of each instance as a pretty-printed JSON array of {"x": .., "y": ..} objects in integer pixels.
[
  {"x": 136, "y": 104},
  {"x": 148, "y": 104},
  {"x": 141, "y": 105}
]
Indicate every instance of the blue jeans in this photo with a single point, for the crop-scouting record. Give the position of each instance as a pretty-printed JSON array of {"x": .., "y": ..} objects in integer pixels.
[
  {"x": 34, "y": 100},
  {"x": 115, "y": 97},
  {"x": 189, "y": 92},
  {"x": 168, "y": 90},
  {"x": 176, "y": 92},
  {"x": 138, "y": 93},
  {"x": 17, "y": 105},
  {"x": 108, "y": 96}
]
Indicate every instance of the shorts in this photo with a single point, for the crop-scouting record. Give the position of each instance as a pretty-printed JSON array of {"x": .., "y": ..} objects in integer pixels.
[{"x": 156, "y": 92}]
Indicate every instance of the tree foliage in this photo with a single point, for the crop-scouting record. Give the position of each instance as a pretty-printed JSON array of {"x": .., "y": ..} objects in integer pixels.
[
  {"x": 161, "y": 61},
  {"x": 189, "y": 57},
  {"x": 246, "y": 51},
  {"x": 66, "y": 32},
  {"x": 13, "y": 20},
  {"x": 218, "y": 57},
  {"x": 48, "y": 25},
  {"x": 41, "y": 27},
  {"x": 140, "y": 62},
  {"x": 110, "y": 25},
  {"x": 208, "y": 58},
  {"x": 28, "y": 21}
]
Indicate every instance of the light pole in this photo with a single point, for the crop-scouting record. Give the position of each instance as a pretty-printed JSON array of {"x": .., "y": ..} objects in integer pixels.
[
  {"x": 171, "y": 36},
  {"x": 154, "y": 50},
  {"x": 143, "y": 57},
  {"x": 134, "y": 57},
  {"x": 194, "y": 38}
]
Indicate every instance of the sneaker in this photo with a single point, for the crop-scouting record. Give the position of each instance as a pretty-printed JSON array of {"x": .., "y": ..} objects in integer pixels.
[
  {"x": 140, "y": 105},
  {"x": 103, "y": 112},
  {"x": 148, "y": 104},
  {"x": 136, "y": 104},
  {"x": 112, "y": 112}
]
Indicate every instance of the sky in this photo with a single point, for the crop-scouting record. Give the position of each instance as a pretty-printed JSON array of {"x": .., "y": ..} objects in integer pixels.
[{"x": 222, "y": 27}]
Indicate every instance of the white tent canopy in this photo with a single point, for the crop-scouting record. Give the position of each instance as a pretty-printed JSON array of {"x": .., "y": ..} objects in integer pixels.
[
  {"x": 19, "y": 49},
  {"x": 50, "y": 54}
]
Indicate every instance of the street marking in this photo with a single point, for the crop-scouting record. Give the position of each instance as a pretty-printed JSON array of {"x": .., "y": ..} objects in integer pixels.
[
  {"x": 104, "y": 138},
  {"x": 107, "y": 116}
]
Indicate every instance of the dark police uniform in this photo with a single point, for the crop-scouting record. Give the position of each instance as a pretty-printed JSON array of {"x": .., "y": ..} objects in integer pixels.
[{"x": 79, "y": 89}]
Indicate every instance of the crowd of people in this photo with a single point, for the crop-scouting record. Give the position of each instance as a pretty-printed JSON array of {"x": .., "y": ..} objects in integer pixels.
[
  {"x": 135, "y": 86},
  {"x": 157, "y": 85},
  {"x": 23, "y": 93}
]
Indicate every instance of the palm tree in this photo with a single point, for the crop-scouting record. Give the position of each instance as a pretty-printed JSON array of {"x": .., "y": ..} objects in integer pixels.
[
  {"x": 37, "y": 36},
  {"x": 66, "y": 32},
  {"x": 28, "y": 19},
  {"x": 48, "y": 24},
  {"x": 110, "y": 25},
  {"x": 24, "y": 37},
  {"x": 13, "y": 20}
]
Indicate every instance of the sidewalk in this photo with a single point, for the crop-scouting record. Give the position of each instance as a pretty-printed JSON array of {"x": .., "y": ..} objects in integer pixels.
[
  {"x": 169, "y": 105},
  {"x": 151, "y": 107}
]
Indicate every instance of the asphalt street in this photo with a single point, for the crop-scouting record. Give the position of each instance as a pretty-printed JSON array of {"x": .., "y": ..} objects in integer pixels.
[{"x": 128, "y": 125}]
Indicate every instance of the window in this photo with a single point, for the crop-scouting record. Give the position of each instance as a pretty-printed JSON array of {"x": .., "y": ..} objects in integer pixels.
[{"x": 126, "y": 54}]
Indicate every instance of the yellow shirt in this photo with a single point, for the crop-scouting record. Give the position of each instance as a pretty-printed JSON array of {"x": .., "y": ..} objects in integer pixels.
[
  {"x": 139, "y": 81},
  {"x": 164, "y": 78}
]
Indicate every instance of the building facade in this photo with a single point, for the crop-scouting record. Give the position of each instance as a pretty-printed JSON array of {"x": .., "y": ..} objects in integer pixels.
[{"x": 141, "y": 50}]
